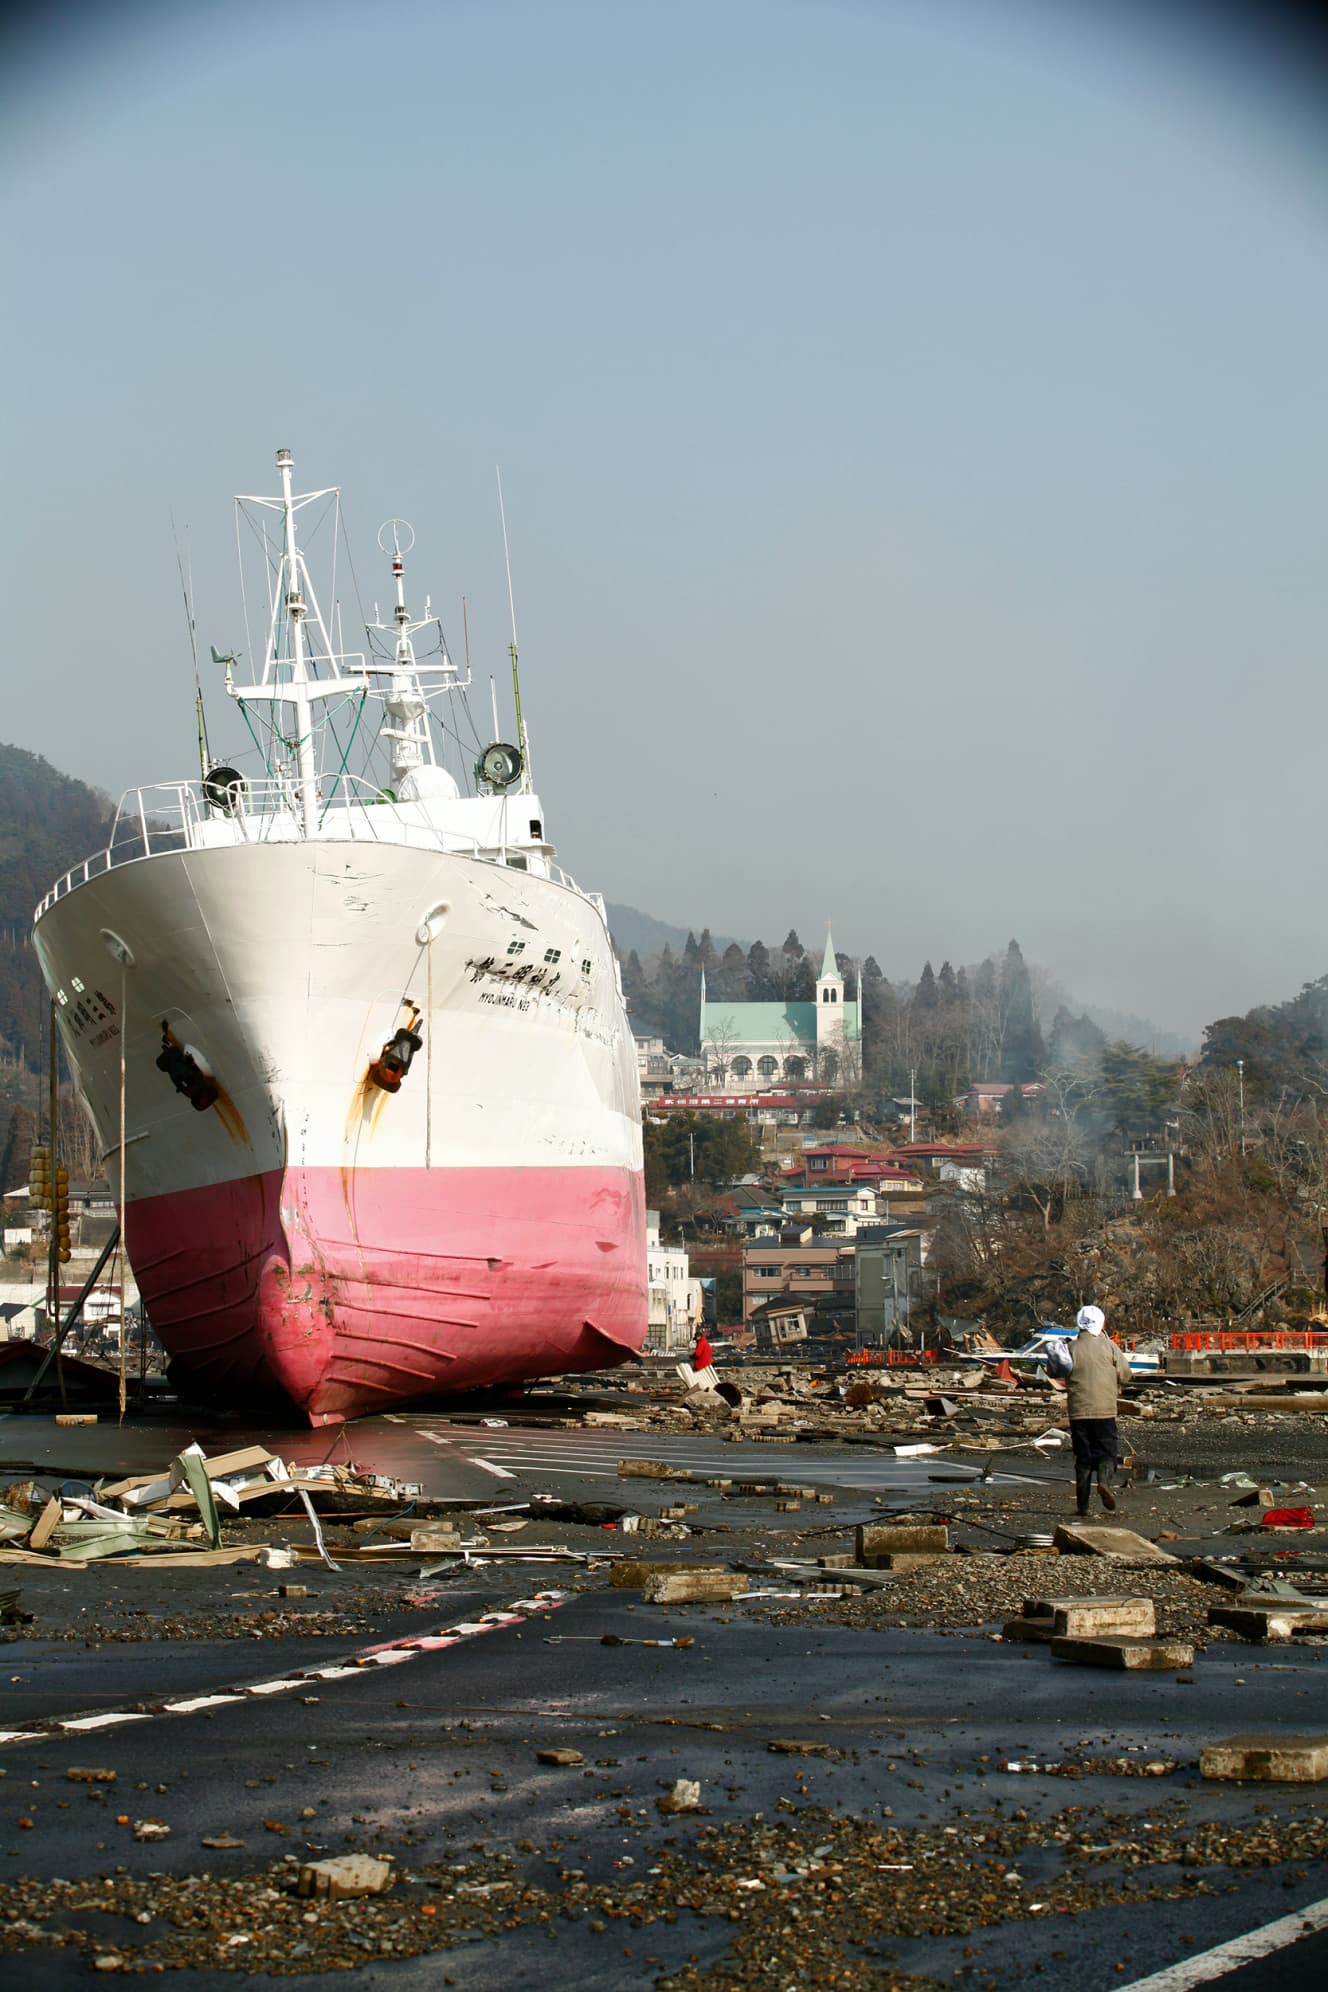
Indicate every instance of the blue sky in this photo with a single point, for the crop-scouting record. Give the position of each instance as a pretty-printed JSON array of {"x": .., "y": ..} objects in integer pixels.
[{"x": 911, "y": 420}]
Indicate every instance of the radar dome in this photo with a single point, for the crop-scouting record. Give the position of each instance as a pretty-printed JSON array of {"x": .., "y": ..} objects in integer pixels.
[{"x": 427, "y": 784}]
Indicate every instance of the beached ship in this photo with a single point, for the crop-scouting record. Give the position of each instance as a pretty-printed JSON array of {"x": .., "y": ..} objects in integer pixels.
[{"x": 354, "y": 1044}]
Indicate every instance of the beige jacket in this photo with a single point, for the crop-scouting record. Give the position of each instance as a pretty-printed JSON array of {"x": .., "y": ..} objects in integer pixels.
[{"x": 1097, "y": 1370}]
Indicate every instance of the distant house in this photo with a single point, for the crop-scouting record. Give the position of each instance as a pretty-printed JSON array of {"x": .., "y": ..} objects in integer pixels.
[
  {"x": 844, "y": 1206},
  {"x": 795, "y": 1263},
  {"x": 931, "y": 1156},
  {"x": 742, "y": 1212},
  {"x": 779, "y": 1325},
  {"x": 985, "y": 1100}
]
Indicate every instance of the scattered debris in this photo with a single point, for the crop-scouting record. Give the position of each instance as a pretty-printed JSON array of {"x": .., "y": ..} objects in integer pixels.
[
  {"x": 347, "y": 1874},
  {"x": 1087, "y": 1539},
  {"x": 684, "y": 1797}
]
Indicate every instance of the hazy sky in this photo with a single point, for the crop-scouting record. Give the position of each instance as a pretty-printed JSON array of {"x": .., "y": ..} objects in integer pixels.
[{"x": 911, "y": 417}]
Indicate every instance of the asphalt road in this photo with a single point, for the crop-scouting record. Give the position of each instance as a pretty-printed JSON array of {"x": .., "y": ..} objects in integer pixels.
[
  {"x": 439, "y": 1754},
  {"x": 435, "y": 1754}
]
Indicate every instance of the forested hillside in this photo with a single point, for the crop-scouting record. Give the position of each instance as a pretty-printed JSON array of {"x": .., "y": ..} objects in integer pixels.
[
  {"x": 48, "y": 822},
  {"x": 948, "y": 1028}
]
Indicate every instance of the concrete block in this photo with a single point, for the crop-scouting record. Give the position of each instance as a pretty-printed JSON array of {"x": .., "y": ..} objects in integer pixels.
[
  {"x": 685, "y": 1587},
  {"x": 1267, "y": 1759},
  {"x": 346, "y": 1874},
  {"x": 1261, "y": 1623},
  {"x": 1083, "y": 1618},
  {"x": 561, "y": 1759},
  {"x": 1030, "y": 1630},
  {"x": 631, "y": 1572},
  {"x": 903, "y": 1560},
  {"x": 651, "y": 1469},
  {"x": 878, "y": 1539},
  {"x": 1089, "y": 1539},
  {"x": 433, "y": 1541},
  {"x": 1135, "y": 1655}
]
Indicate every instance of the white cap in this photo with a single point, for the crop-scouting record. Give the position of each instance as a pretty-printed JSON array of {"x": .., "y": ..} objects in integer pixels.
[{"x": 1091, "y": 1319}]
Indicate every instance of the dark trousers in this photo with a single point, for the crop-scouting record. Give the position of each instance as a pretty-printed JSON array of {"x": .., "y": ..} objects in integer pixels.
[{"x": 1095, "y": 1455}]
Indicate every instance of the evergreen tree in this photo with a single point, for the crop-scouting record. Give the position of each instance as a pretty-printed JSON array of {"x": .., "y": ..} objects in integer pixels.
[
  {"x": 760, "y": 978},
  {"x": 17, "y": 1153},
  {"x": 731, "y": 974},
  {"x": 705, "y": 949},
  {"x": 691, "y": 952},
  {"x": 1074, "y": 1041},
  {"x": 925, "y": 996},
  {"x": 946, "y": 986},
  {"x": 1023, "y": 1054}
]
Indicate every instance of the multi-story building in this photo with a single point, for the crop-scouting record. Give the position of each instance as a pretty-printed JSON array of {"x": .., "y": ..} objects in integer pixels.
[
  {"x": 887, "y": 1261},
  {"x": 675, "y": 1297},
  {"x": 793, "y": 1262}
]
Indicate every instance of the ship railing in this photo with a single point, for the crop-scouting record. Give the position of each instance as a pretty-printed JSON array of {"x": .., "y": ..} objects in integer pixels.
[{"x": 194, "y": 815}]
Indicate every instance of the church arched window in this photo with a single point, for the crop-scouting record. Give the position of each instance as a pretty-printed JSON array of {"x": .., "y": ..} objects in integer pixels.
[
  {"x": 795, "y": 1068},
  {"x": 767, "y": 1067},
  {"x": 742, "y": 1068}
]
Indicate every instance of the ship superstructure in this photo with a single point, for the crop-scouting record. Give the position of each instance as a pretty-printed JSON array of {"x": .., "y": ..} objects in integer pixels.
[{"x": 366, "y": 1039}]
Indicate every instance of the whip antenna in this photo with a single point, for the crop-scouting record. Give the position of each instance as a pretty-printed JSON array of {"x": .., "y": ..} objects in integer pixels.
[
  {"x": 522, "y": 742},
  {"x": 187, "y": 591}
]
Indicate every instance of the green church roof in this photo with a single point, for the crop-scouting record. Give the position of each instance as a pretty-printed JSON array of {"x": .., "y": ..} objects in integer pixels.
[{"x": 768, "y": 1023}]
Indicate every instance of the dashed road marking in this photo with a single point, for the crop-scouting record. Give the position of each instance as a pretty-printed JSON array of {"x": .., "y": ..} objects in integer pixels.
[{"x": 391, "y": 1653}]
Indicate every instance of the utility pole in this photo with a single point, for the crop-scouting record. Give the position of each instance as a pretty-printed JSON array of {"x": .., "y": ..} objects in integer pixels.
[
  {"x": 912, "y": 1103},
  {"x": 53, "y": 1234},
  {"x": 1240, "y": 1075}
]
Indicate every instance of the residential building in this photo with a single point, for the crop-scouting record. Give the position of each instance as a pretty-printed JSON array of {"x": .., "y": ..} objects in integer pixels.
[
  {"x": 748, "y": 1047},
  {"x": 985, "y": 1100},
  {"x": 793, "y": 1262},
  {"x": 844, "y": 1206},
  {"x": 675, "y": 1298},
  {"x": 781, "y": 1325},
  {"x": 887, "y": 1260}
]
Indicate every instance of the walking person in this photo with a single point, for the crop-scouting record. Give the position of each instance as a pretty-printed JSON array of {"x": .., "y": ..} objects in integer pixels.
[{"x": 1092, "y": 1369}]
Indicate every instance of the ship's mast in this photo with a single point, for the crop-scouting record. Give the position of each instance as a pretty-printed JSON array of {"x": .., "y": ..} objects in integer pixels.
[
  {"x": 295, "y": 611},
  {"x": 290, "y": 667}
]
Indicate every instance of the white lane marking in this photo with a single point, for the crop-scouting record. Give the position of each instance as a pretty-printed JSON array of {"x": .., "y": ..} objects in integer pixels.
[
  {"x": 450, "y": 1439},
  {"x": 105, "y": 1721},
  {"x": 391, "y": 1654},
  {"x": 1216, "y": 1963},
  {"x": 200, "y": 1701}
]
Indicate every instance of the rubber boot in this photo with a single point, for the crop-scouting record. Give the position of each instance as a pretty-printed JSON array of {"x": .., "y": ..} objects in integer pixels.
[
  {"x": 1104, "y": 1493},
  {"x": 1083, "y": 1488}
]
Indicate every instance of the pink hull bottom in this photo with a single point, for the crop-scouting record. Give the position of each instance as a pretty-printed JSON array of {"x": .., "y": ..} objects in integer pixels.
[{"x": 353, "y": 1291}]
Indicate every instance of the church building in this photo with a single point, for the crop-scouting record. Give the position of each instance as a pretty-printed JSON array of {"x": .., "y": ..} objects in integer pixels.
[{"x": 755, "y": 1047}]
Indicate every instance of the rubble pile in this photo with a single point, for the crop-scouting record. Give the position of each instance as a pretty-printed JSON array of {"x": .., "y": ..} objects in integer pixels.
[{"x": 178, "y": 1514}]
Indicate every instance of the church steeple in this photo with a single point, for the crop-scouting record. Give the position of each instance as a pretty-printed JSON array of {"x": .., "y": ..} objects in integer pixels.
[{"x": 829, "y": 1013}]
